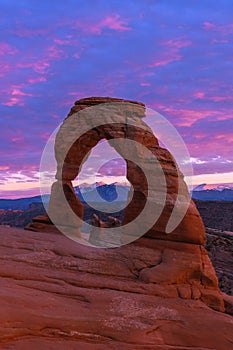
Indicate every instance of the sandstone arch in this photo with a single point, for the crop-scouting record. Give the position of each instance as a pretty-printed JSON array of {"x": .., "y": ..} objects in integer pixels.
[
  {"x": 190, "y": 229},
  {"x": 180, "y": 266}
]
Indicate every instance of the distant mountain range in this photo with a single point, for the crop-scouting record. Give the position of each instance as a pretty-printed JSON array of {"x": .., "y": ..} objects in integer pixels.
[
  {"x": 101, "y": 192},
  {"x": 97, "y": 192},
  {"x": 213, "y": 192},
  {"x": 217, "y": 187},
  {"x": 215, "y": 204},
  {"x": 21, "y": 203}
]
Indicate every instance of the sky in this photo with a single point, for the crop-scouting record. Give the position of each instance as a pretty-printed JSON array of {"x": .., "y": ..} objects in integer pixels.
[{"x": 174, "y": 56}]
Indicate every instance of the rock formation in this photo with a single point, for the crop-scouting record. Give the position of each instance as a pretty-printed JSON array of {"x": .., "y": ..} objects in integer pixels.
[
  {"x": 189, "y": 264},
  {"x": 154, "y": 293},
  {"x": 71, "y": 151},
  {"x": 57, "y": 294}
]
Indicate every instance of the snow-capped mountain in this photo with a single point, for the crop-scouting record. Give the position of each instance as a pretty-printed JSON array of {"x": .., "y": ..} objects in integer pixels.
[
  {"x": 103, "y": 193},
  {"x": 86, "y": 187},
  {"x": 213, "y": 192},
  {"x": 218, "y": 187}
]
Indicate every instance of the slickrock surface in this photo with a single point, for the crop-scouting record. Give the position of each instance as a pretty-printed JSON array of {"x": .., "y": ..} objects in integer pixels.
[{"x": 57, "y": 294}]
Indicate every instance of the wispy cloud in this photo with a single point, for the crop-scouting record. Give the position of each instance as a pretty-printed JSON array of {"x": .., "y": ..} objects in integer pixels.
[{"x": 111, "y": 22}]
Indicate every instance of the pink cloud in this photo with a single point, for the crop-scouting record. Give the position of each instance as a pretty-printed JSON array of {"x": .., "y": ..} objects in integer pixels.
[
  {"x": 113, "y": 22},
  {"x": 164, "y": 62},
  {"x": 69, "y": 41},
  {"x": 13, "y": 101},
  {"x": 145, "y": 84},
  {"x": 177, "y": 43},
  {"x": 62, "y": 42},
  {"x": 40, "y": 66},
  {"x": 29, "y": 33},
  {"x": 44, "y": 135},
  {"x": 16, "y": 96},
  {"x": 114, "y": 167},
  {"x": 6, "y": 49},
  {"x": 200, "y": 95},
  {"x": 54, "y": 52},
  {"x": 221, "y": 29},
  {"x": 209, "y": 25},
  {"x": 171, "y": 52},
  {"x": 185, "y": 116},
  {"x": 18, "y": 92},
  {"x": 17, "y": 138},
  {"x": 220, "y": 98},
  {"x": 223, "y": 137},
  {"x": 4, "y": 69},
  {"x": 225, "y": 116},
  {"x": 220, "y": 41},
  {"x": 39, "y": 79},
  {"x": 76, "y": 55},
  {"x": 211, "y": 147},
  {"x": 200, "y": 136}
]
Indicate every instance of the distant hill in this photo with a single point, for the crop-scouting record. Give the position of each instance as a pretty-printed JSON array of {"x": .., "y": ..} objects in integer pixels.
[
  {"x": 20, "y": 203},
  {"x": 20, "y": 218}
]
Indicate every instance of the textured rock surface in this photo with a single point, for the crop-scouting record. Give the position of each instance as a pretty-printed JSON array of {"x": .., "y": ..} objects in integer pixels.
[{"x": 57, "y": 294}]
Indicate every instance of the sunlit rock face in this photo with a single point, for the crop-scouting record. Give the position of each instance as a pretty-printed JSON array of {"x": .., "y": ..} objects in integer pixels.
[{"x": 178, "y": 266}]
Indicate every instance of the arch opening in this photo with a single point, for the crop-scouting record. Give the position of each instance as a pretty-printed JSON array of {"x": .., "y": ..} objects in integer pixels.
[{"x": 102, "y": 187}]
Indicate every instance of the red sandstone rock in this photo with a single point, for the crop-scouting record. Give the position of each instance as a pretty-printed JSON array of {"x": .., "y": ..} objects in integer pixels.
[
  {"x": 154, "y": 293},
  {"x": 126, "y": 119},
  {"x": 57, "y": 294}
]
